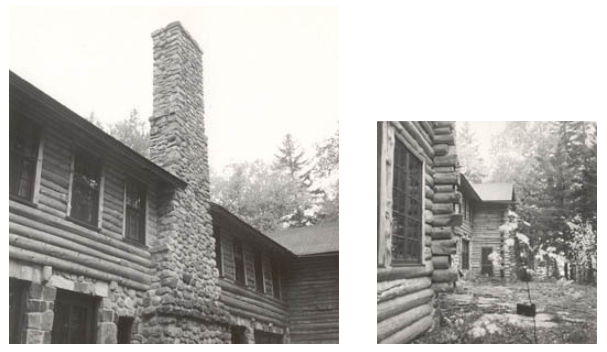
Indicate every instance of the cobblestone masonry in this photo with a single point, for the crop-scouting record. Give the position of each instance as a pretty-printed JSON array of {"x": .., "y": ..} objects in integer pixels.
[{"x": 183, "y": 304}]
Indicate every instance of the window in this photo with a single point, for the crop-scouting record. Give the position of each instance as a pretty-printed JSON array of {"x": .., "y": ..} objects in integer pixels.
[
  {"x": 259, "y": 272},
  {"x": 465, "y": 254},
  {"x": 74, "y": 320},
  {"x": 239, "y": 261},
  {"x": 262, "y": 337},
  {"x": 218, "y": 258},
  {"x": 125, "y": 325},
  {"x": 86, "y": 184},
  {"x": 24, "y": 143},
  {"x": 276, "y": 278},
  {"x": 135, "y": 212},
  {"x": 16, "y": 293},
  {"x": 406, "y": 207}
]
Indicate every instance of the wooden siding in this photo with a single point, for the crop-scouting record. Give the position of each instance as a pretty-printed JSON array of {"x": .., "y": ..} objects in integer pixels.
[
  {"x": 41, "y": 233},
  {"x": 487, "y": 220},
  {"x": 312, "y": 291}
]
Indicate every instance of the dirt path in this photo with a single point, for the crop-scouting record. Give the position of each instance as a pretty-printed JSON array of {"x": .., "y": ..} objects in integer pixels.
[{"x": 486, "y": 313}]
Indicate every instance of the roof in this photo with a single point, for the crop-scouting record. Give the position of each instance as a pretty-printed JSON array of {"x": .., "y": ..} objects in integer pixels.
[
  {"x": 495, "y": 192},
  {"x": 223, "y": 216},
  {"x": 310, "y": 240},
  {"x": 30, "y": 101}
]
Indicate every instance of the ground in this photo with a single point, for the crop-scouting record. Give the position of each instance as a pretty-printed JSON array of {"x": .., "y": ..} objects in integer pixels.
[{"x": 485, "y": 312}]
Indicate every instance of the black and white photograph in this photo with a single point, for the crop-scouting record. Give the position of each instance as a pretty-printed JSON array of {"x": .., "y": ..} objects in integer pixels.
[
  {"x": 149, "y": 207},
  {"x": 487, "y": 232}
]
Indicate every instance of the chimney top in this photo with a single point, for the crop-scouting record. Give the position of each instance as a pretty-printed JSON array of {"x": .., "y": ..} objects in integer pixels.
[{"x": 178, "y": 26}]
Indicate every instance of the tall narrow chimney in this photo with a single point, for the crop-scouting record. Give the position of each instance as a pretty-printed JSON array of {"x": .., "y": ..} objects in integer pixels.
[{"x": 183, "y": 302}]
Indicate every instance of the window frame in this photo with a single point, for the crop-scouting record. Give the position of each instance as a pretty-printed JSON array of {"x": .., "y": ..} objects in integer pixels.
[
  {"x": 465, "y": 254},
  {"x": 143, "y": 213},
  {"x": 386, "y": 171},
  {"x": 218, "y": 249},
  {"x": 242, "y": 261},
  {"x": 276, "y": 278},
  {"x": 259, "y": 277},
  {"x": 37, "y": 161},
  {"x": 70, "y": 204}
]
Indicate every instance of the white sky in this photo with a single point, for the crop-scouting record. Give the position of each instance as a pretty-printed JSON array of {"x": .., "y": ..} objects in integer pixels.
[
  {"x": 267, "y": 71},
  {"x": 485, "y": 132}
]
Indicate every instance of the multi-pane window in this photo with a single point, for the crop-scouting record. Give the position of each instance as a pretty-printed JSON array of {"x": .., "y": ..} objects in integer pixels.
[
  {"x": 135, "y": 212},
  {"x": 74, "y": 318},
  {"x": 85, "y": 188},
  {"x": 275, "y": 278},
  {"x": 24, "y": 140},
  {"x": 465, "y": 254},
  {"x": 258, "y": 272},
  {"x": 218, "y": 258},
  {"x": 406, "y": 207},
  {"x": 239, "y": 261}
]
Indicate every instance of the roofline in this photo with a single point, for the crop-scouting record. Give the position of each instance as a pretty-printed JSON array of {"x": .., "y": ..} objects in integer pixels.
[
  {"x": 220, "y": 209},
  {"x": 321, "y": 254},
  {"x": 512, "y": 199},
  {"x": 465, "y": 180},
  {"x": 88, "y": 128}
]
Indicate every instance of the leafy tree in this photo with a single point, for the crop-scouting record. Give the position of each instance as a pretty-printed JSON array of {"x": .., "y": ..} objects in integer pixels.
[
  {"x": 322, "y": 179},
  {"x": 95, "y": 121},
  {"x": 468, "y": 153},
  {"x": 133, "y": 132}
]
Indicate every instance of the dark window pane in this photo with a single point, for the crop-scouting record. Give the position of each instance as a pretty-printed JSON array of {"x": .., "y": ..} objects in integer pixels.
[
  {"x": 276, "y": 278},
  {"x": 239, "y": 261},
  {"x": 23, "y": 145},
  {"x": 85, "y": 188},
  {"x": 218, "y": 259},
  {"x": 407, "y": 208},
  {"x": 74, "y": 318},
  {"x": 135, "y": 212},
  {"x": 259, "y": 273}
]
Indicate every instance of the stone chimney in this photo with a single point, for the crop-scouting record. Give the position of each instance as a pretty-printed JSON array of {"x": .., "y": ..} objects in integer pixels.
[{"x": 183, "y": 302}]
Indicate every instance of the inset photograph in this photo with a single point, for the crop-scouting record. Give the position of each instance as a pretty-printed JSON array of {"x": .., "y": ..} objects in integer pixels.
[
  {"x": 486, "y": 232},
  {"x": 163, "y": 195}
]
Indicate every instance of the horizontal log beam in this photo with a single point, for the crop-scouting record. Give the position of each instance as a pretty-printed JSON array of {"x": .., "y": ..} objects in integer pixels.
[
  {"x": 399, "y": 322},
  {"x": 419, "y": 138},
  {"x": 449, "y": 160},
  {"x": 440, "y": 262},
  {"x": 448, "y": 220},
  {"x": 442, "y": 130},
  {"x": 444, "y": 188},
  {"x": 404, "y": 272},
  {"x": 442, "y": 233},
  {"x": 442, "y": 208},
  {"x": 443, "y": 287},
  {"x": 403, "y": 303},
  {"x": 78, "y": 258},
  {"x": 443, "y": 247},
  {"x": 440, "y": 149},
  {"x": 453, "y": 197},
  {"x": 444, "y": 275},
  {"x": 390, "y": 289},
  {"x": 68, "y": 266},
  {"x": 446, "y": 178},
  {"x": 444, "y": 139},
  {"x": 409, "y": 333}
]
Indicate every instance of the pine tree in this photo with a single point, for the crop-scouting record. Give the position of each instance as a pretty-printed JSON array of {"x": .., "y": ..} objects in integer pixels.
[
  {"x": 290, "y": 157},
  {"x": 471, "y": 162}
]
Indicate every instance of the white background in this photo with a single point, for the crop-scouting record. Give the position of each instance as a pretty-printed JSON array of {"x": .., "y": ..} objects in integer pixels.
[{"x": 446, "y": 60}]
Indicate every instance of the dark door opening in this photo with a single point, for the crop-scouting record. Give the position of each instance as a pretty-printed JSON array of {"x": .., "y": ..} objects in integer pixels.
[
  {"x": 125, "y": 325},
  {"x": 16, "y": 293},
  {"x": 75, "y": 318},
  {"x": 238, "y": 335},
  {"x": 262, "y": 337},
  {"x": 486, "y": 265}
]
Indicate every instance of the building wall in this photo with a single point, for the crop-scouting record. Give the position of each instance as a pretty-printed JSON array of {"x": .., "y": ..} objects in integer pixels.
[
  {"x": 312, "y": 291},
  {"x": 487, "y": 220},
  {"x": 405, "y": 293},
  {"x": 249, "y": 308},
  {"x": 51, "y": 252}
]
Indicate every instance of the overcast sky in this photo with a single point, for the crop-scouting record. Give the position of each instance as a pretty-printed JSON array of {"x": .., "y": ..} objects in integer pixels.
[{"x": 267, "y": 71}]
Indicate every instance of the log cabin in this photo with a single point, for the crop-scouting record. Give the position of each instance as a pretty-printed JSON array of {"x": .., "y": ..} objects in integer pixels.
[
  {"x": 485, "y": 208},
  {"x": 417, "y": 183},
  {"x": 107, "y": 246}
]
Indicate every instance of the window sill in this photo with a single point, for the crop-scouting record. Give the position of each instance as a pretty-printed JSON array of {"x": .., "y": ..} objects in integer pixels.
[
  {"x": 83, "y": 223},
  {"x": 400, "y": 265},
  {"x": 134, "y": 243},
  {"x": 23, "y": 201}
]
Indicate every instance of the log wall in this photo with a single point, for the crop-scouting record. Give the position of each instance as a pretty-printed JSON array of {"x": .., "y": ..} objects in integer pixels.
[
  {"x": 487, "y": 220},
  {"x": 405, "y": 294},
  {"x": 42, "y": 234},
  {"x": 312, "y": 291}
]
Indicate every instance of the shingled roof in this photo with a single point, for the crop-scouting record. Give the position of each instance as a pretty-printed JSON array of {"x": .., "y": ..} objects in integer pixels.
[
  {"x": 495, "y": 192},
  {"x": 310, "y": 240}
]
